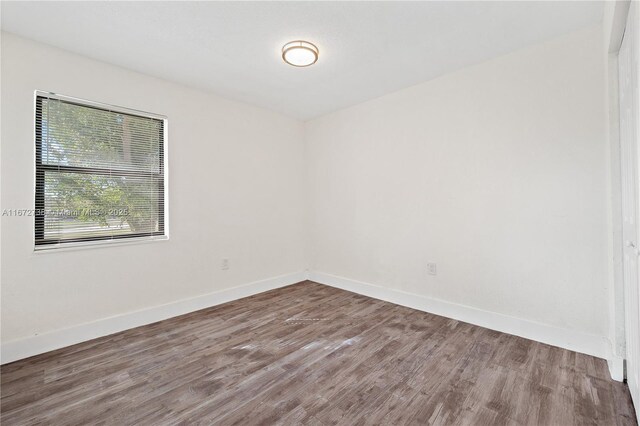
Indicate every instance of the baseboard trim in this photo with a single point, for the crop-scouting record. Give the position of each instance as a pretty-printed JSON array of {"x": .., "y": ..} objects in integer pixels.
[
  {"x": 23, "y": 348},
  {"x": 589, "y": 344},
  {"x": 616, "y": 368}
]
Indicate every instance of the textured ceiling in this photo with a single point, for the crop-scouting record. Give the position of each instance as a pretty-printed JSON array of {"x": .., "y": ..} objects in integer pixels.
[{"x": 367, "y": 49}]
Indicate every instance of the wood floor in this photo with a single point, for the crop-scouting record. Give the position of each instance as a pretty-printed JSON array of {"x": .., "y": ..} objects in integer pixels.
[{"x": 315, "y": 355}]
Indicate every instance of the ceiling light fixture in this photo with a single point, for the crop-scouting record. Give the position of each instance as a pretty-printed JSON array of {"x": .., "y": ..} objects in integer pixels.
[{"x": 300, "y": 53}]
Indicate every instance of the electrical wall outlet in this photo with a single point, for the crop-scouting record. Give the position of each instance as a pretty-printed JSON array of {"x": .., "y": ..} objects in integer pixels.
[
  {"x": 432, "y": 269},
  {"x": 224, "y": 264}
]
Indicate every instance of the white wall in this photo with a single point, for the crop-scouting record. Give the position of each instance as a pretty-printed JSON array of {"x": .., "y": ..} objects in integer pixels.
[
  {"x": 236, "y": 181},
  {"x": 498, "y": 173}
]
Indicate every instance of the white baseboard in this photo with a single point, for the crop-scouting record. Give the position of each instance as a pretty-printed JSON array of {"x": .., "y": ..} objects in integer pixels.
[
  {"x": 37, "y": 344},
  {"x": 589, "y": 344},
  {"x": 616, "y": 368}
]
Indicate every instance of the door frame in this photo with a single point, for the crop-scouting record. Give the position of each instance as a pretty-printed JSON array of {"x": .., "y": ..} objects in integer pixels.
[{"x": 625, "y": 301}]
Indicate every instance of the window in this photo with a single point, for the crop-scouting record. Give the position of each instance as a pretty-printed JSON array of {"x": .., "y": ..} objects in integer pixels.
[{"x": 100, "y": 173}]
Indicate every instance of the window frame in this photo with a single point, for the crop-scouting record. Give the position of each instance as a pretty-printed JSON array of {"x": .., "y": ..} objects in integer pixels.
[{"x": 40, "y": 169}]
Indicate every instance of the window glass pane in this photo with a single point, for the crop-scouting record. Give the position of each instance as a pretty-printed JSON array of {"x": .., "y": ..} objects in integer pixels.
[
  {"x": 82, "y": 136},
  {"x": 81, "y": 205}
]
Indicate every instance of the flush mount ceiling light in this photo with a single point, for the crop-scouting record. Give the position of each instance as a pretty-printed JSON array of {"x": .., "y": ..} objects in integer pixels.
[{"x": 300, "y": 53}]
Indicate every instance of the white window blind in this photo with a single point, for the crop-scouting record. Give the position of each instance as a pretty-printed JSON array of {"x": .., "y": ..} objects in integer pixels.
[{"x": 100, "y": 172}]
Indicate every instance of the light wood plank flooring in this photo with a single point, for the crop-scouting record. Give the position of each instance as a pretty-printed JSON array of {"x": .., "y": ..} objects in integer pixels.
[{"x": 315, "y": 355}]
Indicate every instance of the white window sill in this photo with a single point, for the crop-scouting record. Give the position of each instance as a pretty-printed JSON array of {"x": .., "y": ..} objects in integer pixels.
[{"x": 65, "y": 247}]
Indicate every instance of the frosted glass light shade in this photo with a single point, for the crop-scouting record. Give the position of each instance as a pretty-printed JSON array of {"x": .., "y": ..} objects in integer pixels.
[{"x": 300, "y": 53}]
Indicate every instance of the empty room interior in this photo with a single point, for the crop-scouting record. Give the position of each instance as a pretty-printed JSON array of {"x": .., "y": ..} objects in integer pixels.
[{"x": 320, "y": 213}]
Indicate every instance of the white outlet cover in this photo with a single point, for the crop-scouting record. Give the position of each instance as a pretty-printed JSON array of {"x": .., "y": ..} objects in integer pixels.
[{"x": 432, "y": 268}]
